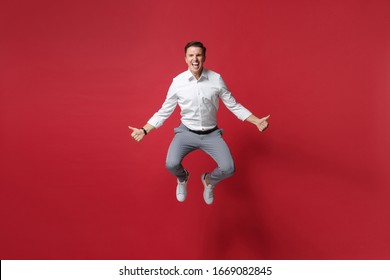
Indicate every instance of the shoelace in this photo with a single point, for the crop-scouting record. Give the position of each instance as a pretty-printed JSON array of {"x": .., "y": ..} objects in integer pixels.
[
  {"x": 182, "y": 187},
  {"x": 210, "y": 191}
]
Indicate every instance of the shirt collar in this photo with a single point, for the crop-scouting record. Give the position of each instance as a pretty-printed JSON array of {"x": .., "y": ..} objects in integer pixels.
[{"x": 204, "y": 75}]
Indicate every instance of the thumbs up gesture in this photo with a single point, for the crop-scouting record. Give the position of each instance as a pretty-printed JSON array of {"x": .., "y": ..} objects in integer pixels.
[
  {"x": 262, "y": 123},
  {"x": 137, "y": 134}
]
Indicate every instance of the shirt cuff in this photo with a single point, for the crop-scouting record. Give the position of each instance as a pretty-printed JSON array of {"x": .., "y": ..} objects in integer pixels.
[
  {"x": 155, "y": 122},
  {"x": 245, "y": 115}
]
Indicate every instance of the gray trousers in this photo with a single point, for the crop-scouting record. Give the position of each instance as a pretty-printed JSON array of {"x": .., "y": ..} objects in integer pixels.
[{"x": 213, "y": 144}]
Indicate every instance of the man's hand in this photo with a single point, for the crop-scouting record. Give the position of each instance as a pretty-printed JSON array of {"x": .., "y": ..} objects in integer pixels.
[
  {"x": 262, "y": 123},
  {"x": 137, "y": 134}
]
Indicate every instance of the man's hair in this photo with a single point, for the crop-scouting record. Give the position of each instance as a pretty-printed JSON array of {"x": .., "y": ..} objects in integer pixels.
[{"x": 195, "y": 44}]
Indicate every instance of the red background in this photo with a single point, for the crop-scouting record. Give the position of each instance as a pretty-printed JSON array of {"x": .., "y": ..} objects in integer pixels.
[{"x": 75, "y": 74}]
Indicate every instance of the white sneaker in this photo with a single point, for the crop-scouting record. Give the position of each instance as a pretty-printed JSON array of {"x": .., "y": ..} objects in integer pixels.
[
  {"x": 208, "y": 193},
  {"x": 181, "y": 189}
]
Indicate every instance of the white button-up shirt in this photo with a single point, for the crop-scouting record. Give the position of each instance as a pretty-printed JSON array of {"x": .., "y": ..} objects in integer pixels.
[{"x": 198, "y": 101}]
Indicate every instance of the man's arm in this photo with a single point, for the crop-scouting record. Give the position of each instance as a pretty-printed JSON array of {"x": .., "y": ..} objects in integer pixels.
[
  {"x": 139, "y": 133},
  {"x": 159, "y": 117},
  {"x": 261, "y": 124}
]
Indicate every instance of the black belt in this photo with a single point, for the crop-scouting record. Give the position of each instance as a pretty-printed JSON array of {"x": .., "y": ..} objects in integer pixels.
[{"x": 202, "y": 132}]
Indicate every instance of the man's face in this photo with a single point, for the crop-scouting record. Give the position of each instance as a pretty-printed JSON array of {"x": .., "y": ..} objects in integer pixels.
[{"x": 195, "y": 59}]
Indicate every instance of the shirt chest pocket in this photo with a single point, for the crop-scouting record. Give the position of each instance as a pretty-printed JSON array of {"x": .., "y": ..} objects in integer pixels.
[{"x": 208, "y": 94}]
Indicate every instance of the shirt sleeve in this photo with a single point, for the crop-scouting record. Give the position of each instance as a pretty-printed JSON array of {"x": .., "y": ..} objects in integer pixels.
[
  {"x": 166, "y": 109},
  {"x": 230, "y": 102}
]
